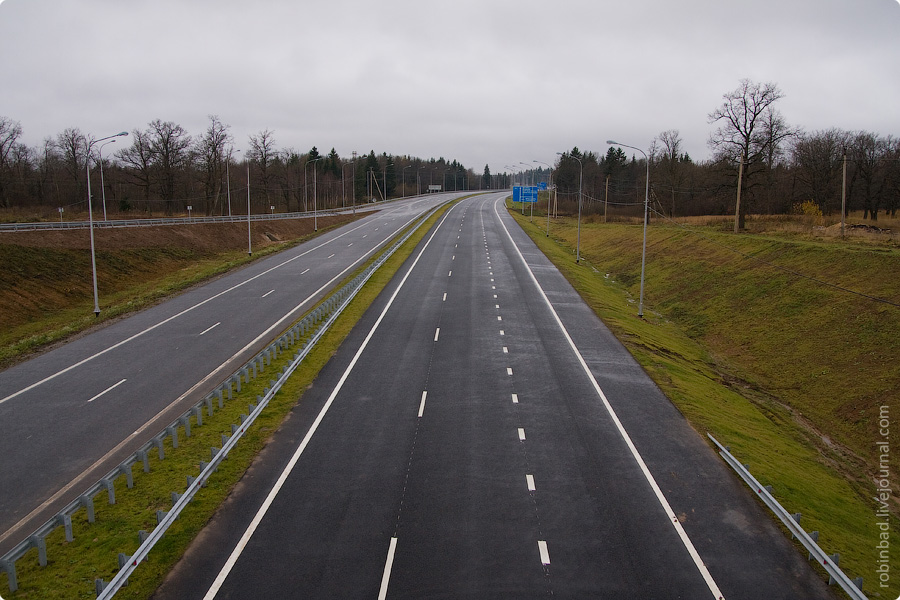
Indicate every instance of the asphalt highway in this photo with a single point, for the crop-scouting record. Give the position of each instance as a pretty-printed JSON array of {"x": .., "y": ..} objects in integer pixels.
[
  {"x": 481, "y": 434},
  {"x": 71, "y": 414}
]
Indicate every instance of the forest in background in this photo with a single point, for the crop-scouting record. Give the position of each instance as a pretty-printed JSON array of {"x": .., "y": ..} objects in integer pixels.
[{"x": 163, "y": 169}]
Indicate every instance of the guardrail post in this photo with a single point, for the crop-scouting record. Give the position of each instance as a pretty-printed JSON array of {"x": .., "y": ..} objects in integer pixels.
[
  {"x": 142, "y": 536},
  {"x": 110, "y": 485},
  {"x": 66, "y": 521},
  {"x": 198, "y": 413},
  {"x": 221, "y": 397},
  {"x": 172, "y": 430},
  {"x": 9, "y": 566},
  {"x": 835, "y": 559},
  {"x": 40, "y": 543},
  {"x": 123, "y": 559},
  {"x": 158, "y": 442},
  {"x": 175, "y": 497},
  {"x": 209, "y": 405},
  {"x": 99, "y": 586},
  {"x": 160, "y": 515},
  {"x": 142, "y": 455},
  {"x": 186, "y": 422},
  {"x": 88, "y": 504},
  {"x": 129, "y": 478}
]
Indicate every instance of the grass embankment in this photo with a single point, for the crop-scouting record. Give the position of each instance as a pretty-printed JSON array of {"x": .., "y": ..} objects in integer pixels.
[
  {"x": 73, "y": 567},
  {"x": 46, "y": 292},
  {"x": 791, "y": 373}
]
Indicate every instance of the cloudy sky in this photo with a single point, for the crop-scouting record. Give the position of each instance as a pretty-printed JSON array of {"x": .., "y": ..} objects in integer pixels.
[{"x": 494, "y": 82}]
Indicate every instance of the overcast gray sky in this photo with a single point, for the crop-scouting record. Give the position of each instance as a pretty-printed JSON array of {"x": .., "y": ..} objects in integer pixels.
[{"x": 493, "y": 82}]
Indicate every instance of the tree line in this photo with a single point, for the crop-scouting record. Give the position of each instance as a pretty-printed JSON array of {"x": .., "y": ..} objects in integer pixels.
[
  {"x": 163, "y": 169},
  {"x": 780, "y": 168}
]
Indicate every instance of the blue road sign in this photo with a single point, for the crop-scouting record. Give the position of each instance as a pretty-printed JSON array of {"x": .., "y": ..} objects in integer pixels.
[{"x": 525, "y": 193}]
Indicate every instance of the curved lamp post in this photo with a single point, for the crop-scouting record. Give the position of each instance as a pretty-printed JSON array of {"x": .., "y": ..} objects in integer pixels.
[
  {"x": 580, "y": 188},
  {"x": 87, "y": 167},
  {"x": 102, "y": 187},
  {"x": 315, "y": 214},
  {"x": 646, "y": 216}
]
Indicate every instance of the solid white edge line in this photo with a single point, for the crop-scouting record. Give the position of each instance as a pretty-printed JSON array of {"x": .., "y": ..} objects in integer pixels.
[
  {"x": 257, "y": 519},
  {"x": 422, "y": 404},
  {"x": 673, "y": 518},
  {"x": 107, "y": 390},
  {"x": 388, "y": 564},
  {"x": 545, "y": 553}
]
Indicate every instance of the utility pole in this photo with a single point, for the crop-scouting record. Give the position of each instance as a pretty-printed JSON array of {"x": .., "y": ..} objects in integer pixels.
[{"x": 844, "y": 193}]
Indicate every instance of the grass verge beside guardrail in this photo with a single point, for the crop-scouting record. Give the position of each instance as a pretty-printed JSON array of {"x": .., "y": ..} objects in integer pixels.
[{"x": 73, "y": 567}]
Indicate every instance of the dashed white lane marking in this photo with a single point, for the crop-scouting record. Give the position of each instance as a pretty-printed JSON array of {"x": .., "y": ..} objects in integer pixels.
[
  {"x": 422, "y": 404},
  {"x": 545, "y": 554},
  {"x": 450, "y": 274},
  {"x": 445, "y": 297},
  {"x": 521, "y": 434},
  {"x": 529, "y": 479},
  {"x": 515, "y": 398},
  {"x": 332, "y": 256},
  {"x": 304, "y": 271},
  {"x": 437, "y": 332},
  {"x": 210, "y": 328},
  {"x": 509, "y": 370},
  {"x": 350, "y": 244},
  {"x": 107, "y": 390},
  {"x": 505, "y": 350},
  {"x": 499, "y": 318},
  {"x": 267, "y": 293},
  {"x": 502, "y": 332},
  {"x": 385, "y": 579},
  {"x": 496, "y": 306}
]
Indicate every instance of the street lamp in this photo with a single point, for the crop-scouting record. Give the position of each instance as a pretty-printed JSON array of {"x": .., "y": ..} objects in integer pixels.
[
  {"x": 403, "y": 182},
  {"x": 249, "y": 234},
  {"x": 315, "y": 214},
  {"x": 646, "y": 217},
  {"x": 580, "y": 188},
  {"x": 87, "y": 162},
  {"x": 228, "y": 179},
  {"x": 102, "y": 187},
  {"x": 419, "y": 182},
  {"x": 549, "y": 192}
]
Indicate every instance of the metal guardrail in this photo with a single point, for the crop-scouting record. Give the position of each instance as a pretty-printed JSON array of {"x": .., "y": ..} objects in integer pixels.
[
  {"x": 314, "y": 324},
  {"x": 153, "y": 222},
  {"x": 792, "y": 522}
]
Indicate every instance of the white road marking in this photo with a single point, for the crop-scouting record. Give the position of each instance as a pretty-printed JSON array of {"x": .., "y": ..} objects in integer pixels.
[
  {"x": 437, "y": 332},
  {"x": 304, "y": 271},
  {"x": 422, "y": 404},
  {"x": 445, "y": 297},
  {"x": 332, "y": 256},
  {"x": 267, "y": 293},
  {"x": 496, "y": 306},
  {"x": 509, "y": 370},
  {"x": 499, "y": 318},
  {"x": 661, "y": 498},
  {"x": 107, "y": 390},
  {"x": 261, "y": 513},
  {"x": 505, "y": 350},
  {"x": 502, "y": 332},
  {"x": 450, "y": 274},
  {"x": 545, "y": 554},
  {"x": 208, "y": 329},
  {"x": 350, "y": 244},
  {"x": 521, "y": 434},
  {"x": 529, "y": 479},
  {"x": 515, "y": 398}
]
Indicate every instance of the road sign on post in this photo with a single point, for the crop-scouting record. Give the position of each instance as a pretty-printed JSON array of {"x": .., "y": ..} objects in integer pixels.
[{"x": 526, "y": 193}]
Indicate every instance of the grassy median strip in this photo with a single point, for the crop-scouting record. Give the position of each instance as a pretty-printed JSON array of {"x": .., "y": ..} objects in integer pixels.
[
  {"x": 73, "y": 567},
  {"x": 716, "y": 395}
]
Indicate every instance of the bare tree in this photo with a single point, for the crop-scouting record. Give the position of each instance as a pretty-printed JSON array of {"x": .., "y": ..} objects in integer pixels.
[
  {"x": 169, "y": 145},
  {"x": 670, "y": 161},
  {"x": 741, "y": 135},
  {"x": 210, "y": 152},
  {"x": 73, "y": 146},
  {"x": 817, "y": 159},
  {"x": 10, "y": 131},
  {"x": 262, "y": 150},
  {"x": 138, "y": 162}
]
